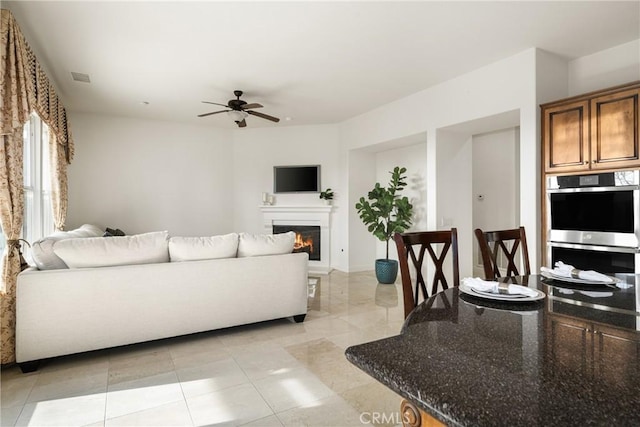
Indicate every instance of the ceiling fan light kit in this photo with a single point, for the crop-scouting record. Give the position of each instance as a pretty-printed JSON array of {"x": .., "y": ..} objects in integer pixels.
[
  {"x": 238, "y": 110},
  {"x": 237, "y": 116}
]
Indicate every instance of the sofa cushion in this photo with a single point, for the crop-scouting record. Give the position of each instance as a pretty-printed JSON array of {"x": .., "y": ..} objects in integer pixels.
[
  {"x": 265, "y": 244},
  {"x": 42, "y": 250},
  {"x": 144, "y": 248},
  {"x": 197, "y": 248}
]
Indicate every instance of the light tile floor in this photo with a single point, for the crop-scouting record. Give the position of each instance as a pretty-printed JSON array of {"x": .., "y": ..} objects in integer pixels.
[{"x": 275, "y": 373}]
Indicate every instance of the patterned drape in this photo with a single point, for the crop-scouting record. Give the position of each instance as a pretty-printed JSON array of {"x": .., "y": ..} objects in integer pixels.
[
  {"x": 24, "y": 87},
  {"x": 59, "y": 195}
]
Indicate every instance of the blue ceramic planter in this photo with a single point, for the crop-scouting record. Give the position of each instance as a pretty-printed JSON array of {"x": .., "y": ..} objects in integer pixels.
[{"x": 386, "y": 270}]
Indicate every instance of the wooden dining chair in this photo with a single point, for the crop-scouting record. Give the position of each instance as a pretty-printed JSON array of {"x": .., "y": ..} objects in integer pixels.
[
  {"x": 493, "y": 244},
  {"x": 412, "y": 248}
]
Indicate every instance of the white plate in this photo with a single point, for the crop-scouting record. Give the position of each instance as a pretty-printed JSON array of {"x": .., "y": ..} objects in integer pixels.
[
  {"x": 552, "y": 276},
  {"x": 502, "y": 297},
  {"x": 526, "y": 311}
]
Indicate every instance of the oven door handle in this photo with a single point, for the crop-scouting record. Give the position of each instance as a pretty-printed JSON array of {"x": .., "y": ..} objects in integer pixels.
[
  {"x": 601, "y": 248},
  {"x": 594, "y": 189}
]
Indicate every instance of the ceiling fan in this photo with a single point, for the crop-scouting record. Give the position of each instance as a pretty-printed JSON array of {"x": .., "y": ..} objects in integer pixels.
[{"x": 238, "y": 110}]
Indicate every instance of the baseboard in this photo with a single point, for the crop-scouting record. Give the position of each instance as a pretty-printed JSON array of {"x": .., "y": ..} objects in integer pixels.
[
  {"x": 360, "y": 268},
  {"x": 319, "y": 271}
]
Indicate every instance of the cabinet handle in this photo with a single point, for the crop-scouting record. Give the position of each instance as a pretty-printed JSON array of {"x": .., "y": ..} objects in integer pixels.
[{"x": 594, "y": 161}]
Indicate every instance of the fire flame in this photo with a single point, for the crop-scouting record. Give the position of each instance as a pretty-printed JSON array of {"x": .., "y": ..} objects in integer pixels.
[{"x": 302, "y": 243}]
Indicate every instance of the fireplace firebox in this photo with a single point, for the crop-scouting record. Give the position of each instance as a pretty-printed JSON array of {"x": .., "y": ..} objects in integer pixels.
[{"x": 307, "y": 238}]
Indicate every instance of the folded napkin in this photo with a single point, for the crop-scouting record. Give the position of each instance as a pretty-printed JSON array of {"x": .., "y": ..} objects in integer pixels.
[
  {"x": 565, "y": 270},
  {"x": 480, "y": 285}
]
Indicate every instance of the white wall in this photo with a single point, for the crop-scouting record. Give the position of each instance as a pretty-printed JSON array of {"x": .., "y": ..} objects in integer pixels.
[
  {"x": 552, "y": 77},
  {"x": 372, "y": 164},
  {"x": 414, "y": 158},
  {"x": 496, "y": 191},
  {"x": 257, "y": 151},
  {"x": 518, "y": 83},
  {"x": 503, "y": 87},
  {"x": 454, "y": 198},
  {"x": 498, "y": 186},
  {"x": 142, "y": 175},
  {"x": 362, "y": 246},
  {"x": 614, "y": 66}
]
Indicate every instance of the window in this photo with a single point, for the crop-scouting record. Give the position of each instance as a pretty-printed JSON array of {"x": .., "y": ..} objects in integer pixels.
[{"x": 38, "y": 212}]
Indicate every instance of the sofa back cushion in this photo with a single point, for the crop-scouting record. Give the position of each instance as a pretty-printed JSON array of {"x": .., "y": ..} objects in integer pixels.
[
  {"x": 144, "y": 248},
  {"x": 197, "y": 248},
  {"x": 265, "y": 244},
  {"x": 42, "y": 250}
]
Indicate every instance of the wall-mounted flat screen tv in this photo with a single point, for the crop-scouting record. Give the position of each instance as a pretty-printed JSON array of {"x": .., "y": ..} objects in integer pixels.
[{"x": 296, "y": 179}]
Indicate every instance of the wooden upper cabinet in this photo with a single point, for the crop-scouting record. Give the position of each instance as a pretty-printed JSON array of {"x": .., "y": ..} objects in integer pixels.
[
  {"x": 595, "y": 131},
  {"x": 614, "y": 130},
  {"x": 566, "y": 137}
]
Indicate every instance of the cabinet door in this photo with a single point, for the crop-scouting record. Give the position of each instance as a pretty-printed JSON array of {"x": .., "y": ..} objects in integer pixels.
[
  {"x": 614, "y": 130},
  {"x": 566, "y": 137},
  {"x": 569, "y": 344},
  {"x": 616, "y": 355}
]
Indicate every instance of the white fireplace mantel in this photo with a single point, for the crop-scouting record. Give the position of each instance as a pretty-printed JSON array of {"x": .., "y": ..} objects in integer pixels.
[{"x": 304, "y": 215}]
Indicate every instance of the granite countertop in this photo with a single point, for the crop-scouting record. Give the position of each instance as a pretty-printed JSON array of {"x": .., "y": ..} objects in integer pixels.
[{"x": 571, "y": 359}]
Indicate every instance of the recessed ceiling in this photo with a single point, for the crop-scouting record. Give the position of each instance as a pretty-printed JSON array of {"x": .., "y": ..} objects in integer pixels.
[{"x": 316, "y": 62}]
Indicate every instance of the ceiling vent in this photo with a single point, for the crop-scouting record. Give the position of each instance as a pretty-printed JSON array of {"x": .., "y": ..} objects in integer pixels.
[{"x": 80, "y": 77}]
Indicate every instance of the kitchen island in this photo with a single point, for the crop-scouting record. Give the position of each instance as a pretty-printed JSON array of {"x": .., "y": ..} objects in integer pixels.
[{"x": 571, "y": 359}]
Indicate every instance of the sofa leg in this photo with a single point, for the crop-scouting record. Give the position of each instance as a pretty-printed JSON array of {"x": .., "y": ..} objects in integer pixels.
[
  {"x": 299, "y": 318},
  {"x": 27, "y": 367}
]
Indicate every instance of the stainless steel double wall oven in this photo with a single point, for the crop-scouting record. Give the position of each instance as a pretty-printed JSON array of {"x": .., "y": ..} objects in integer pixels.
[{"x": 593, "y": 221}]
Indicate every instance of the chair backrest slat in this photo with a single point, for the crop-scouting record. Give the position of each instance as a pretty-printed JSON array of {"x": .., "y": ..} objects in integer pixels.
[
  {"x": 492, "y": 245},
  {"x": 426, "y": 240}
]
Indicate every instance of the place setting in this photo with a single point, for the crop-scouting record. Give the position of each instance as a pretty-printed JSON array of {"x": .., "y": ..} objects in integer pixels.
[
  {"x": 571, "y": 277},
  {"x": 501, "y": 297},
  {"x": 498, "y": 291}
]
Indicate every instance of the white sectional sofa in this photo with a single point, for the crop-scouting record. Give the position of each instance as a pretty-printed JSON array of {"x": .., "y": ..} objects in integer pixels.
[{"x": 99, "y": 303}]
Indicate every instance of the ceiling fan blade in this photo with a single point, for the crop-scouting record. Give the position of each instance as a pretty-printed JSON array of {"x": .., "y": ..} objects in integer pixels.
[
  {"x": 242, "y": 123},
  {"x": 264, "y": 116},
  {"x": 215, "y": 112},
  {"x": 215, "y": 103},
  {"x": 250, "y": 106}
]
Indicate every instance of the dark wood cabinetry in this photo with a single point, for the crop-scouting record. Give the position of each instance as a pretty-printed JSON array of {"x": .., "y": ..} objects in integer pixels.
[
  {"x": 599, "y": 351},
  {"x": 611, "y": 348},
  {"x": 569, "y": 343},
  {"x": 596, "y": 131},
  {"x": 591, "y": 133}
]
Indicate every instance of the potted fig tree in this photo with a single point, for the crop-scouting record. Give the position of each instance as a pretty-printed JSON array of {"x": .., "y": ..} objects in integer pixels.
[{"x": 385, "y": 212}]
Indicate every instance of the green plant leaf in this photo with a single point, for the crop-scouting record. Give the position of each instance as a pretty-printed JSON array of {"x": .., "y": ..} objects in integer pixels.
[{"x": 386, "y": 213}]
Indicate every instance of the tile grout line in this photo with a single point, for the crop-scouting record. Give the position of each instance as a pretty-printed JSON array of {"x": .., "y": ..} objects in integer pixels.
[{"x": 186, "y": 402}]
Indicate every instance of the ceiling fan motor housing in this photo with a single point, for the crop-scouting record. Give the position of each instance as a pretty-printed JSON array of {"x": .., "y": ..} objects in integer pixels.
[{"x": 236, "y": 104}]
